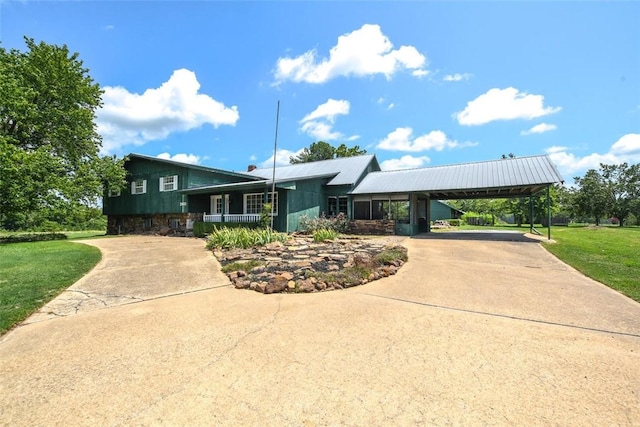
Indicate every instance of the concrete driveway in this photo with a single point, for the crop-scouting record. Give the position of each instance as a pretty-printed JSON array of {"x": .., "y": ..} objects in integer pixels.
[{"x": 469, "y": 332}]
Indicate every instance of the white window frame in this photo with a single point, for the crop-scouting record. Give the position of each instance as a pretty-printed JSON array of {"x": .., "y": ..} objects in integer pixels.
[
  {"x": 168, "y": 183},
  {"x": 114, "y": 192},
  {"x": 214, "y": 204},
  {"x": 260, "y": 197},
  {"x": 138, "y": 186}
]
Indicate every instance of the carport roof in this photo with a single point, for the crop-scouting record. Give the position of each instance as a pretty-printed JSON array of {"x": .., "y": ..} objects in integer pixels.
[{"x": 517, "y": 177}]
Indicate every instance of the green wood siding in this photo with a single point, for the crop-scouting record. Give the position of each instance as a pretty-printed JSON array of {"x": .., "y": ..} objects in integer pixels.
[
  {"x": 307, "y": 199},
  {"x": 440, "y": 211},
  {"x": 155, "y": 201}
]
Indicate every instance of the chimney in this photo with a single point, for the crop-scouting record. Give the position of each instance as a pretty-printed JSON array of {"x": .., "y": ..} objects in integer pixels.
[{"x": 251, "y": 167}]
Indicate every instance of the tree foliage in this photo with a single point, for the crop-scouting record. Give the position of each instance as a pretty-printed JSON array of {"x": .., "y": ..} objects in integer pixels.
[
  {"x": 613, "y": 190},
  {"x": 49, "y": 147},
  {"x": 321, "y": 150}
]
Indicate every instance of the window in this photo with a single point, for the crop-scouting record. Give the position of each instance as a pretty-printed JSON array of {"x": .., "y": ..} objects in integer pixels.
[
  {"x": 139, "y": 186},
  {"x": 253, "y": 202},
  {"x": 114, "y": 192},
  {"x": 337, "y": 205},
  {"x": 169, "y": 183}
]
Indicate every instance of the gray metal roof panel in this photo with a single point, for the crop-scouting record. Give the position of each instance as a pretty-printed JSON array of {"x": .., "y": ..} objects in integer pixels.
[
  {"x": 516, "y": 172},
  {"x": 345, "y": 170}
]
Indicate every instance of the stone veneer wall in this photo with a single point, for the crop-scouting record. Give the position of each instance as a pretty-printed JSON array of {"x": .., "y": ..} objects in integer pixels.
[
  {"x": 150, "y": 224},
  {"x": 374, "y": 226}
]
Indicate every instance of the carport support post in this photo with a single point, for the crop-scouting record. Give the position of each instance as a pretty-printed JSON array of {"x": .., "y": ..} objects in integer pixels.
[
  {"x": 530, "y": 213},
  {"x": 548, "y": 215}
]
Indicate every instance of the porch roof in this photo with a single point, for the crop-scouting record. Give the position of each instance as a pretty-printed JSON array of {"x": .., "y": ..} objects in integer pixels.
[{"x": 517, "y": 177}]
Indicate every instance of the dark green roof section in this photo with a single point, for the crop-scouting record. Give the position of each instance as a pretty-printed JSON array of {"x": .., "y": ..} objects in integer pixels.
[{"x": 192, "y": 166}]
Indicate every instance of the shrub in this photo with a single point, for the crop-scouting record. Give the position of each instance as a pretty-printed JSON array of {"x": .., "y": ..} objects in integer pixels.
[
  {"x": 388, "y": 256},
  {"x": 323, "y": 234},
  {"x": 201, "y": 229},
  {"x": 475, "y": 218},
  {"x": 241, "y": 265},
  {"x": 454, "y": 222},
  {"x": 228, "y": 238},
  {"x": 265, "y": 216},
  {"x": 339, "y": 223},
  {"x": 32, "y": 237},
  {"x": 347, "y": 277}
]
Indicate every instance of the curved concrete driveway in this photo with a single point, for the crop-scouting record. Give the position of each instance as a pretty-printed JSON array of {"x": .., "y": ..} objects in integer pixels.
[{"x": 469, "y": 332}]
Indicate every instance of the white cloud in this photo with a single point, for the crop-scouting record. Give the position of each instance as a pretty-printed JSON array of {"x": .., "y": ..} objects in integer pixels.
[
  {"x": 253, "y": 157},
  {"x": 503, "y": 104},
  {"x": 541, "y": 128},
  {"x": 329, "y": 110},
  {"x": 181, "y": 157},
  {"x": 321, "y": 131},
  {"x": 319, "y": 123},
  {"x": 402, "y": 139},
  {"x": 628, "y": 145},
  {"x": 390, "y": 106},
  {"x": 404, "y": 162},
  {"x": 363, "y": 52},
  {"x": 456, "y": 77},
  {"x": 176, "y": 106},
  {"x": 625, "y": 149},
  {"x": 282, "y": 158}
]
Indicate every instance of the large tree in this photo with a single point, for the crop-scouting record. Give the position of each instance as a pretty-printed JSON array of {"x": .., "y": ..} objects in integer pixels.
[
  {"x": 49, "y": 147},
  {"x": 590, "y": 197},
  {"x": 321, "y": 150},
  {"x": 612, "y": 190},
  {"x": 622, "y": 189}
]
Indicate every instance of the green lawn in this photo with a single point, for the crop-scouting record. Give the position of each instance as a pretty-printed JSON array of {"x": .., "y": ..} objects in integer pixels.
[
  {"x": 31, "y": 274},
  {"x": 610, "y": 255}
]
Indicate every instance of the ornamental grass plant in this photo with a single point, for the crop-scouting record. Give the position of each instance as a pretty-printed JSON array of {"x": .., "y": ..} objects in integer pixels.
[{"x": 231, "y": 238}]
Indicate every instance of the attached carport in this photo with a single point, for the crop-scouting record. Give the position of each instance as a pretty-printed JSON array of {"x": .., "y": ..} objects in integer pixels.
[{"x": 504, "y": 178}]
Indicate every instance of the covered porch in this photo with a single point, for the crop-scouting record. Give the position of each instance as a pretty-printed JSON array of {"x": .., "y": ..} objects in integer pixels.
[{"x": 234, "y": 203}]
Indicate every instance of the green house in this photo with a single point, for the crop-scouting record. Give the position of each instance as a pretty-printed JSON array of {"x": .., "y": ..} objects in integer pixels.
[{"x": 162, "y": 195}]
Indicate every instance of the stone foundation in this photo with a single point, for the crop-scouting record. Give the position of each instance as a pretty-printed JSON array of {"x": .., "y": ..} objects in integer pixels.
[
  {"x": 163, "y": 224},
  {"x": 376, "y": 227}
]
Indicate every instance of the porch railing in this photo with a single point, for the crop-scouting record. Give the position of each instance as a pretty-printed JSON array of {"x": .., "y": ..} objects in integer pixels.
[{"x": 231, "y": 218}]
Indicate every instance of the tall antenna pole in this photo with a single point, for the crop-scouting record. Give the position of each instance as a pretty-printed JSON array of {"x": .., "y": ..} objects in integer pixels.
[{"x": 273, "y": 176}]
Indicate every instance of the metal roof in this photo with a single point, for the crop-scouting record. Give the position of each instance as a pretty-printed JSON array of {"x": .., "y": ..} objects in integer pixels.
[
  {"x": 344, "y": 170},
  {"x": 515, "y": 177}
]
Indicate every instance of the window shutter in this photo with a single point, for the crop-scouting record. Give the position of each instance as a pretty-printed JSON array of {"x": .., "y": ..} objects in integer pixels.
[
  {"x": 161, "y": 184},
  {"x": 175, "y": 182},
  {"x": 133, "y": 187},
  {"x": 144, "y": 186}
]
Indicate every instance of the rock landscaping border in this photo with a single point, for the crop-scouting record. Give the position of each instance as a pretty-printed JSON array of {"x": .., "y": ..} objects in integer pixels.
[{"x": 301, "y": 265}]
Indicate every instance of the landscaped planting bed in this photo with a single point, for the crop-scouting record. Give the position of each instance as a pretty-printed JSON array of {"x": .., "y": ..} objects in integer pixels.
[{"x": 302, "y": 265}]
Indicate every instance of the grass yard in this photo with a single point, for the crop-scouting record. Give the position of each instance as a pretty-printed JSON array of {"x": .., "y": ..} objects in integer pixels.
[
  {"x": 31, "y": 274},
  {"x": 610, "y": 255}
]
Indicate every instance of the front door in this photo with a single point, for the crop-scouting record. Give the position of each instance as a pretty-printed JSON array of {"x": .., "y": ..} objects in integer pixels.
[{"x": 216, "y": 204}]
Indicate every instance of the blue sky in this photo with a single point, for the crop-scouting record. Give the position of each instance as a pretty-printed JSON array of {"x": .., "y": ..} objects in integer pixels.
[{"x": 416, "y": 83}]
